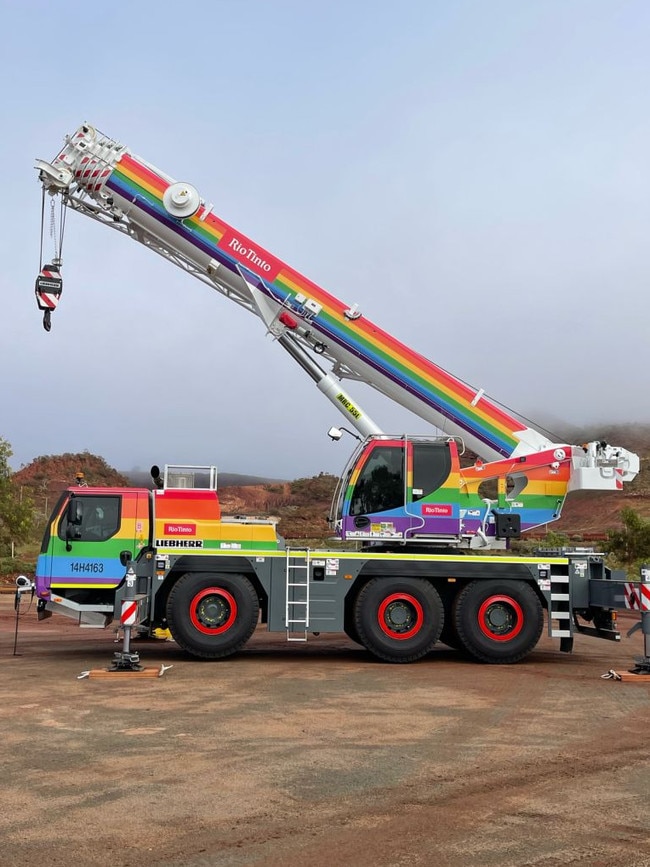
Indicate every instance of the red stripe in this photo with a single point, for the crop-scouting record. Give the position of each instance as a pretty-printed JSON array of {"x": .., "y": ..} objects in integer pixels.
[
  {"x": 137, "y": 170},
  {"x": 128, "y": 611},
  {"x": 49, "y": 300},
  {"x": 631, "y": 596},
  {"x": 645, "y": 597}
]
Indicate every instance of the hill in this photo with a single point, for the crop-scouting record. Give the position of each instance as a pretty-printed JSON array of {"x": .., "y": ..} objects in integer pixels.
[{"x": 48, "y": 475}]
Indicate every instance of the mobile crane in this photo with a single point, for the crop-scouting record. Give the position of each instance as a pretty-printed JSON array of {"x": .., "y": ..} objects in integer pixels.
[{"x": 406, "y": 500}]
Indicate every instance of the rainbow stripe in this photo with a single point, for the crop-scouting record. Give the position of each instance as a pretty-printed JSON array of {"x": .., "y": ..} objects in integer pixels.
[
  {"x": 101, "y": 561},
  {"x": 410, "y": 371}
]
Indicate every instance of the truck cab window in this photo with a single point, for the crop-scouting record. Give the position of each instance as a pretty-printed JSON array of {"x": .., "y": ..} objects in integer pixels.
[
  {"x": 431, "y": 467},
  {"x": 100, "y": 520},
  {"x": 380, "y": 485}
]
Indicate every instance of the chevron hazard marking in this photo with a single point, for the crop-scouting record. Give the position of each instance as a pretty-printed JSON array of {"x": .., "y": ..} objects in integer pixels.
[
  {"x": 129, "y": 610},
  {"x": 632, "y": 597},
  {"x": 645, "y": 597}
]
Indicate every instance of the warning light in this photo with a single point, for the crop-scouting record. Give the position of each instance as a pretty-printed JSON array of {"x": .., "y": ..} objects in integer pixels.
[{"x": 287, "y": 320}]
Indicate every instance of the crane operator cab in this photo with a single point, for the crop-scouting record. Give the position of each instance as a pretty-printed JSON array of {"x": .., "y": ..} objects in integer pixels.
[{"x": 398, "y": 490}]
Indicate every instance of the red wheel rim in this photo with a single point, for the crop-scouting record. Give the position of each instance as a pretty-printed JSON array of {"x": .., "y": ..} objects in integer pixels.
[
  {"x": 500, "y": 618},
  {"x": 400, "y": 616},
  {"x": 213, "y": 611}
]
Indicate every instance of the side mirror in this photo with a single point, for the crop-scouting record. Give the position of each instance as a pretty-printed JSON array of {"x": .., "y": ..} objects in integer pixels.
[
  {"x": 75, "y": 512},
  {"x": 74, "y": 516},
  {"x": 335, "y": 433}
]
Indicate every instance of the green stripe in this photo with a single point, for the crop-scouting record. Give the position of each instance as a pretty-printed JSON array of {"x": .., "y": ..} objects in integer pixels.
[
  {"x": 426, "y": 383},
  {"x": 128, "y": 181}
]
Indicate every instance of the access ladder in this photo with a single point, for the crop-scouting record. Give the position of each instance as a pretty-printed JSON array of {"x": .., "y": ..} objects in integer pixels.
[{"x": 296, "y": 611}]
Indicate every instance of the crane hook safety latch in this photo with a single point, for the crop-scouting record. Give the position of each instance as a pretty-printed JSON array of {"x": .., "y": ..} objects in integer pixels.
[{"x": 49, "y": 286}]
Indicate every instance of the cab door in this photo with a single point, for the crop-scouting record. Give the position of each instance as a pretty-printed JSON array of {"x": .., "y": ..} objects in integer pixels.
[
  {"x": 86, "y": 541},
  {"x": 432, "y": 494},
  {"x": 376, "y": 496}
]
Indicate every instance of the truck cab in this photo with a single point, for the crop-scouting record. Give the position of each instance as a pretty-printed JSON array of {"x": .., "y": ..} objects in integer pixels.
[
  {"x": 89, "y": 528},
  {"x": 81, "y": 563}
]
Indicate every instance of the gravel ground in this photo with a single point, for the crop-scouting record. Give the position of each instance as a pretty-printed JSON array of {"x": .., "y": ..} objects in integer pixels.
[{"x": 317, "y": 754}]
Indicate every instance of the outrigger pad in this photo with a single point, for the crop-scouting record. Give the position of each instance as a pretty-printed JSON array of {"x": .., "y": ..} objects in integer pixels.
[{"x": 107, "y": 673}]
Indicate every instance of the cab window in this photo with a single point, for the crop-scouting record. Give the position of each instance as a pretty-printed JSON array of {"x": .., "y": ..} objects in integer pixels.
[
  {"x": 100, "y": 519},
  {"x": 380, "y": 485},
  {"x": 431, "y": 467}
]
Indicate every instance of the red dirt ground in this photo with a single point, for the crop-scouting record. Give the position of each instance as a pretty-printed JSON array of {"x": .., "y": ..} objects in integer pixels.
[{"x": 316, "y": 754}]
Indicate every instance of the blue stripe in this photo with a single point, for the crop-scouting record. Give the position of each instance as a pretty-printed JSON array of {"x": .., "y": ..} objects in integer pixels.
[{"x": 333, "y": 332}]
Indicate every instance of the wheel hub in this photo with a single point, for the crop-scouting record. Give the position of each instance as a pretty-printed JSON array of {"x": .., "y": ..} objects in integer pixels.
[
  {"x": 212, "y": 612},
  {"x": 500, "y": 618},
  {"x": 400, "y": 616}
]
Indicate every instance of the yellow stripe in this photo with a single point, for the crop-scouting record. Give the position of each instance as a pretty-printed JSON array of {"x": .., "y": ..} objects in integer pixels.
[
  {"x": 360, "y": 555},
  {"x": 284, "y": 278},
  {"x": 438, "y": 558},
  {"x": 139, "y": 179},
  {"x": 420, "y": 367}
]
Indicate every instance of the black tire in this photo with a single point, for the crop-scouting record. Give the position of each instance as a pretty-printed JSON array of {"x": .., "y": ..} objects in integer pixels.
[
  {"x": 349, "y": 626},
  {"x": 498, "y": 621},
  {"x": 398, "y": 619},
  {"x": 352, "y": 634},
  {"x": 212, "y": 615}
]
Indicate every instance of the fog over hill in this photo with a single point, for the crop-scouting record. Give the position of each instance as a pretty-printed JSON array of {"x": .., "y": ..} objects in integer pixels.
[{"x": 634, "y": 437}]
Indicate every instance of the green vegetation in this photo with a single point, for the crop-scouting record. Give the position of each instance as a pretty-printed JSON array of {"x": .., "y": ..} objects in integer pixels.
[
  {"x": 57, "y": 472},
  {"x": 527, "y": 547},
  {"x": 303, "y": 517},
  {"x": 16, "y": 507},
  {"x": 630, "y": 546},
  {"x": 28, "y": 496},
  {"x": 305, "y": 492}
]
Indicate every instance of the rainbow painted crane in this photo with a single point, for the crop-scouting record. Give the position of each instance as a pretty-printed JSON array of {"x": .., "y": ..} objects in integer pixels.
[{"x": 396, "y": 489}]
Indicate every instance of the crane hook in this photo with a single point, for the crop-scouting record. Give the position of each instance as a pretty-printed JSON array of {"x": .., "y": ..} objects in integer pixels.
[{"x": 49, "y": 286}]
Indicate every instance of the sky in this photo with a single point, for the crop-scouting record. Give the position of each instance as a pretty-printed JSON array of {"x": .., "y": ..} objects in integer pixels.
[{"x": 475, "y": 175}]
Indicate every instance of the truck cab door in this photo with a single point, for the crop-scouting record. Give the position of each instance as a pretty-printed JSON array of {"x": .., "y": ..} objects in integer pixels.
[
  {"x": 432, "y": 495},
  {"x": 374, "y": 506},
  {"x": 89, "y": 535}
]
